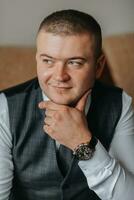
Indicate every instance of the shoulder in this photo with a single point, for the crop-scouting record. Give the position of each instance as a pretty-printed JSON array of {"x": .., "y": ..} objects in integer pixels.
[
  {"x": 3, "y": 104},
  {"x": 127, "y": 116},
  {"x": 4, "y": 118},
  {"x": 22, "y": 88}
]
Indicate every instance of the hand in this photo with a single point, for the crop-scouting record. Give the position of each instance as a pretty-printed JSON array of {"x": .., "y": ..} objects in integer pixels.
[{"x": 66, "y": 124}]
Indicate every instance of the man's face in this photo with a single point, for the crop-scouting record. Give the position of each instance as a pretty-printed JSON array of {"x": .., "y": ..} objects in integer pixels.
[{"x": 65, "y": 66}]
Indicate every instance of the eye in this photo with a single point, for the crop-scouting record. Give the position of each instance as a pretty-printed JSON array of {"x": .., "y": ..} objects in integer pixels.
[
  {"x": 75, "y": 63},
  {"x": 47, "y": 61}
]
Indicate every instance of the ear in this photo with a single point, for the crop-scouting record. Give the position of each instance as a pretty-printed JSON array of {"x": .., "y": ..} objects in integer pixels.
[{"x": 100, "y": 66}]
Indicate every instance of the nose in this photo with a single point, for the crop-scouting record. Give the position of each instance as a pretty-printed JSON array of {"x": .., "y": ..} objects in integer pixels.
[{"x": 61, "y": 73}]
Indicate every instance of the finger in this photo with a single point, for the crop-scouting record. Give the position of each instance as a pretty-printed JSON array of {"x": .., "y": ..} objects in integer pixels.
[
  {"x": 82, "y": 102},
  {"x": 41, "y": 104},
  {"x": 50, "y": 105},
  {"x": 47, "y": 129},
  {"x": 48, "y": 121},
  {"x": 49, "y": 113}
]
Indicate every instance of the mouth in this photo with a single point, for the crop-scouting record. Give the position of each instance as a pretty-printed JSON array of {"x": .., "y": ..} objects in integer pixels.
[
  {"x": 61, "y": 89},
  {"x": 60, "y": 86}
]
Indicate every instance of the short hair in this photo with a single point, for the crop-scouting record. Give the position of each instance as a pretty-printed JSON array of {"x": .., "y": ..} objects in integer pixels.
[{"x": 73, "y": 22}]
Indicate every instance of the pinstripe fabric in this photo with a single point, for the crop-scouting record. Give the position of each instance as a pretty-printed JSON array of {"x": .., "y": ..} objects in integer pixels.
[{"x": 37, "y": 173}]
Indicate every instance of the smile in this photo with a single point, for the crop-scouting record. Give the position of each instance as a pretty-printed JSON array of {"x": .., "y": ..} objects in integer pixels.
[{"x": 60, "y": 86}]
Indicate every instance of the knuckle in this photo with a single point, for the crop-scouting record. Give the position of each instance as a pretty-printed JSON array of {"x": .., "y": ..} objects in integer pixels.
[
  {"x": 46, "y": 120},
  {"x": 47, "y": 129}
]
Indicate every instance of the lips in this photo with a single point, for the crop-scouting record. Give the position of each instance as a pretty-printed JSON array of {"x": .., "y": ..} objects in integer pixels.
[{"x": 60, "y": 86}]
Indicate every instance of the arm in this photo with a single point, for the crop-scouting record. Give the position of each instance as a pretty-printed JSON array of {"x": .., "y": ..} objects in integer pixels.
[
  {"x": 111, "y": 175},
  {"x": 6, "y": 165}
]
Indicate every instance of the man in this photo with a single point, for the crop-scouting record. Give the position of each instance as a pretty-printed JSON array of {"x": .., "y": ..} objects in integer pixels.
[{"x": 68, "y": 137}]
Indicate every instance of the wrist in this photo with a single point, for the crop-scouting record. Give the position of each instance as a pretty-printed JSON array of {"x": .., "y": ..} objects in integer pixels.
[
  {"x": 84, "y": 137},
  {"x": 85, "y": 151}
]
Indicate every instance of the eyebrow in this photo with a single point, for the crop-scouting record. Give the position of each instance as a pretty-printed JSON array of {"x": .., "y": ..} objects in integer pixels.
[
  {"x": 45, "y": 55},
  {"x": 71, "y": 58}
]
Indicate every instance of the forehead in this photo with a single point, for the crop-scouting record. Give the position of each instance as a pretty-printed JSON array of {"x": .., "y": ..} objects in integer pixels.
[{"x": 64, "y": 45}]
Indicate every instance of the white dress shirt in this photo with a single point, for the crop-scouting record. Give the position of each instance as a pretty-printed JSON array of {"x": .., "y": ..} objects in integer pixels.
[{"x": 109, "y": 174}]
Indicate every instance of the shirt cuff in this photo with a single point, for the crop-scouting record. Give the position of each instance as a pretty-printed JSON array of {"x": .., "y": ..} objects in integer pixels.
[{"x": 99, "y": 160}]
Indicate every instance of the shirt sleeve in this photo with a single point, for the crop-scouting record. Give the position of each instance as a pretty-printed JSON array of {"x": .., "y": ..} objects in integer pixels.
[
  {"x": 6, "y": 164},
  {"x": 111, "y": 174}
]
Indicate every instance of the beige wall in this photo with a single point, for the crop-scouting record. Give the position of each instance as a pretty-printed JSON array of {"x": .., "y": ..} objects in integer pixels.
[{"x": 19, "y": 19}]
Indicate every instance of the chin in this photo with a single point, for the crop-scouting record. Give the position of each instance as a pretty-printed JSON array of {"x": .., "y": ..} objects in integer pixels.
[
  {"x": 61, "y": 101},
  {"x": 67, "y": 102}
]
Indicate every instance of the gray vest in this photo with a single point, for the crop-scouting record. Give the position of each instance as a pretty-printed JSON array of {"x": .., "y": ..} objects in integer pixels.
[{"x": 37, "y": 173}]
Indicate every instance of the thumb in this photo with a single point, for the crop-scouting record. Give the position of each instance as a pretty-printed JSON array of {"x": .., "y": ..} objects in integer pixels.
[{"x": 82, "y": 102}]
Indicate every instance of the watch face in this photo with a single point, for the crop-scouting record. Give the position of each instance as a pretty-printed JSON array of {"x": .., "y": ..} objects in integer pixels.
[{"x": 84, "y": 152}]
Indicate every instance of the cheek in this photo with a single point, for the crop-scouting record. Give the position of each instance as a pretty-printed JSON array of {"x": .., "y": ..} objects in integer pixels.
[
  {"x": 43, "y": 74},
  {"x": 86, "y": 80}
]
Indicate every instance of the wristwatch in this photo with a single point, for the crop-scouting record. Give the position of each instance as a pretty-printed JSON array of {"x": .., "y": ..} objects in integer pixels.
[{"x": 85, "y": 151}]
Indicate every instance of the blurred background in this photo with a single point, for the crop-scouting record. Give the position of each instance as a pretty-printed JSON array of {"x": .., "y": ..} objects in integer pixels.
[
  {"x": 19, "y": 22},
  {"x": 19, "y": 19}
]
